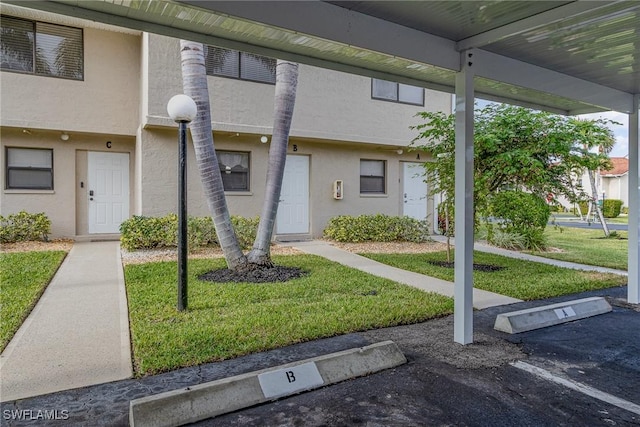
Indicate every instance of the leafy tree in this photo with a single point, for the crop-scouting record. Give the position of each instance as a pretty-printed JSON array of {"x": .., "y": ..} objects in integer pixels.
[{"x": 515, "y": 148}]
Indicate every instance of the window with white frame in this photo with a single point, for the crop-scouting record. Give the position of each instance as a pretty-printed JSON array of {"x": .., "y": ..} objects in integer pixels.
[
  {"x": 372, "y": 177},
  {"x": 40, "y": 48},
  {"x": 29, "y": 168},
  {"x": 396, "y": 92},
  {"x": 234, "y": 168},
  {"x": 239, "y": 65}
]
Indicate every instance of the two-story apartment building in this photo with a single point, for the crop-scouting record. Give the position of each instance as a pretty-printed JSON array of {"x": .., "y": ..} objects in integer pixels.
[{"x": 86, "y": 137}]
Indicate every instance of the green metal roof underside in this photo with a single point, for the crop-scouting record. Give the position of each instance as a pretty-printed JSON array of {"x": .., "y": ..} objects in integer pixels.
[{"x": 566, "y": 57}]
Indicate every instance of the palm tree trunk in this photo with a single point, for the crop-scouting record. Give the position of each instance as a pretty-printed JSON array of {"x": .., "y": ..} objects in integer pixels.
[
  {"x": 194, "y": 83},
  {"x": 594, "y": 192},
  {"x": 285, "y": 99}
]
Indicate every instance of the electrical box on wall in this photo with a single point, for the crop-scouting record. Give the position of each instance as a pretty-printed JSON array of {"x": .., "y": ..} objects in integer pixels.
[{"x": 338, "y": 190}]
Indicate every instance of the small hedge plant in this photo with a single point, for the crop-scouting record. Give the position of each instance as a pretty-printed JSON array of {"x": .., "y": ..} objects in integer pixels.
[
  {"x": 24, "y": 226},
  {"x": 140, "y": 232},
  {"x": 376, "y": 228},
  {"x": 611, "y": 208},
  {"x": 521, "y": 214}
]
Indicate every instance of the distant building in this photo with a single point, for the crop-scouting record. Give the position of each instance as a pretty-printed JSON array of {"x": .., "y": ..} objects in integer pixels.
[{"x": 614, "y": 183}]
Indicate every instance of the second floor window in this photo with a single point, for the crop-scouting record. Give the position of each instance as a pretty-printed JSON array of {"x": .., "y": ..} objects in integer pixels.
[
  {"x": 41, "y": 48},
  {"x": 239, "y": 65},
  {"x": 397, "y": 92}
]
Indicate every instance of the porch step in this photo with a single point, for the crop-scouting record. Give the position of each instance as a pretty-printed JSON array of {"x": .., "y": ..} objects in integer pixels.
[{"x": 293, "y": 238}]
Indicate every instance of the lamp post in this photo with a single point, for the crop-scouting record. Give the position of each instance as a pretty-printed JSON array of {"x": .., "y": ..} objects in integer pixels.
[{"x": 182, "y": 110}]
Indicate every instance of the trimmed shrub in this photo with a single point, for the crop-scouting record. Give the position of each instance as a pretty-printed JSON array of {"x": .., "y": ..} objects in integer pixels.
[
  {"x": 140, "y": 232},
  {"x": 611, "y": 208},
  {"x": 523, "y": 214},
  {"x": 246, "y": 230},
  {"x": 23, "y": 226},
  {"x": 376, "y": 228}
]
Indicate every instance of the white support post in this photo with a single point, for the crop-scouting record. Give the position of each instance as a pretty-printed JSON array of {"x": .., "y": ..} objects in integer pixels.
[
  {"x": 463, "y": 287},
  {"x": 633, "y": 288}
]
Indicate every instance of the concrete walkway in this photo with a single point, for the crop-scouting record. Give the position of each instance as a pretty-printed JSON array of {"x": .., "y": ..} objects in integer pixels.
[
  {"x": 481, "y": 299},
  {"x": 78, "y": 333}
]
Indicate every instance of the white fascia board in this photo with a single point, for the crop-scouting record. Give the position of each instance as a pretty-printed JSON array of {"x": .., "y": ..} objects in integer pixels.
[
  {"x": 338, "y": 24},
  {"x": 503, "y": 69}
]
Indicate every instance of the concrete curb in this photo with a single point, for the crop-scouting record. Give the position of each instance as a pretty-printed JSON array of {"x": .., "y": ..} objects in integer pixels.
[
  {"x": 191, "y": 404},
  {"x": 549, "y": 315}
]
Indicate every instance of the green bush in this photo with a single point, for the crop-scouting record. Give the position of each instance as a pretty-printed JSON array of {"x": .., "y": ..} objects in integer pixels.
[
  {"x": 611, "y": 208},
  {"x": 584, "y": 208},
  {"x": 246, "y": 230},
  {"x": 24, "y": 226},
  {"x": 140, "y": 232},
  {"x": 507, "y": 240},
  {"x": 376, "y": 228},
  {"x": 523, "y": 214},
  {"x": 625, "y": 210}
]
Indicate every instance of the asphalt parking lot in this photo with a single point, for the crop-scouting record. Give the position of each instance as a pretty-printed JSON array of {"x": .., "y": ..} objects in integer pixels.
[{"x": 442, "y": 384}]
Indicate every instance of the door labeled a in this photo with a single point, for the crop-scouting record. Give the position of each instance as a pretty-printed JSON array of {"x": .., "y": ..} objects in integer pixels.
[
  {"x": 293, "y": 210},
  {"x": 414, "y": 191},
  {"x": 107, "y": 191}
]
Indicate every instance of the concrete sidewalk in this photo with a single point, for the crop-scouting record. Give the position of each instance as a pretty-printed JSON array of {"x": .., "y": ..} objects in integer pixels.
[
  {"x": 481, "y": 299},
  {"x": 78, "y": 332}
]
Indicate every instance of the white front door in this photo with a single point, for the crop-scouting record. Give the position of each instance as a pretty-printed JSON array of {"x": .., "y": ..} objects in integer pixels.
[
  {"x": 414, "y": 191},
  {"x": 293, "y": 210},
  {"x": 108, "y": 191}
]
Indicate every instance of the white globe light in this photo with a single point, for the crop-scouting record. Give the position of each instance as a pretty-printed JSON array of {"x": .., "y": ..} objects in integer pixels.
[{"x": 182, "y": 108}]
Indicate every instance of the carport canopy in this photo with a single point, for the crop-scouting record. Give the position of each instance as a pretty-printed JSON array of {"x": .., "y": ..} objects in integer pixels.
[{"x": 566, "y": 57}]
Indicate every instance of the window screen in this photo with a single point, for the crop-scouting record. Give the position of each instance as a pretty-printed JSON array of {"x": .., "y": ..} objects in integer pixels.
[
  {"x": 234, "y": 168},
  {"x": 372, "y": 177},
  {"x": 29, "y": 168},
  {"x": 240, "y": 65}
]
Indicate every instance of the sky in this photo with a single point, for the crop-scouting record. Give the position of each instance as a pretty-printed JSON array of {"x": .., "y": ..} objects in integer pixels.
[{"x": 621, "y": 132}]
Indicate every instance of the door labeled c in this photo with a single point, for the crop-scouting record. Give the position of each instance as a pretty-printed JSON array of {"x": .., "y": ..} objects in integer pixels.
[{"x": 108, "y": 191}]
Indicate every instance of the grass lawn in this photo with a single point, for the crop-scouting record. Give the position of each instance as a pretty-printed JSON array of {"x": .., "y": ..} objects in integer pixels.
[
  {"x": 519, "y": 279},
  {"x": 230, "y": 320},
  {"x": 586, "y": 246},
  {"x": 23, "y": 278}
]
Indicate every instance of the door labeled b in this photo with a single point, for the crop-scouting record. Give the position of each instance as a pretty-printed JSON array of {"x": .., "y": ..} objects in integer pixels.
[
  {"x": 293, "y": 209},
  {"x": 107, "y": 191}
]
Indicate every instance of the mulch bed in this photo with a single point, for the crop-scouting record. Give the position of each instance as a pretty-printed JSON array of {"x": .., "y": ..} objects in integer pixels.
[
  {"x": 273, "y": 274},
  {"x": 487, "y": 268}
]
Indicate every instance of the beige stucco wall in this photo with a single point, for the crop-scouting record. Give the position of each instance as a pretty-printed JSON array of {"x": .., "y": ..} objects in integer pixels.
[
  {"x": 330, "y": 105},
  {"x": 67, "y": 204},
  {"x": 328, "y": 162},
  {"x": 107, "y": 101}
]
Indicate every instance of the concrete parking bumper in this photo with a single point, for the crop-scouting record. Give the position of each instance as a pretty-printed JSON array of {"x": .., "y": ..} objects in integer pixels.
[{"x": 191, "y": 404}]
